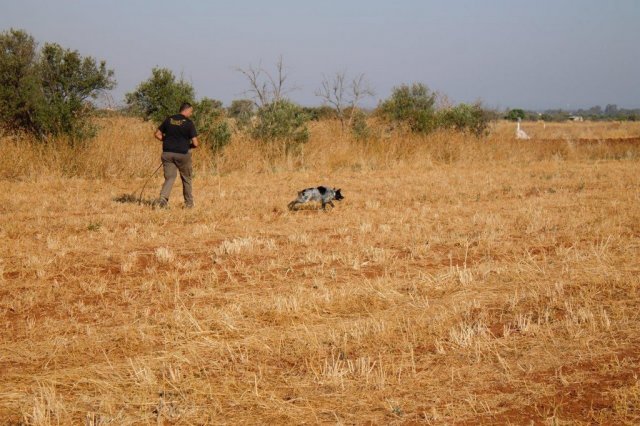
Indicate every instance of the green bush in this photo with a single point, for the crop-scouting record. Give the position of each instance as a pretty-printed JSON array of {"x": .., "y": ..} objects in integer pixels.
[
  {"x": 465, "y": 117},
  {"x": 281, "y": 120},
  {"x": 159, "y": 96},
  {"x": 414, "y": 107},
  {"x": 19, "y": 82},
  {"x": 209, "y": 118},
  {"x": 318, "y": 113},
  {"x": 48, "y": 92},
  {"x": 220, "y": 136},
  {"x": 359, "y": 127},
  {"x": 515, "y": 114},
  {"x": 411, "y": 105},
  {"x": 242, "y": 110},
  {"x": 555, "y": 115}
]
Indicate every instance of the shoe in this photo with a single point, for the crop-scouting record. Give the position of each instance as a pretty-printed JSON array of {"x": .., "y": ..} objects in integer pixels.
[{"x": 160, "y": 203}]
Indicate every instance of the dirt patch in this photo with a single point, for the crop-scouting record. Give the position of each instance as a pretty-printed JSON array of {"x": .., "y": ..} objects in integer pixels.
[
  {"x": 584, "y": 391},
  {"x": 594, "y": 141}
]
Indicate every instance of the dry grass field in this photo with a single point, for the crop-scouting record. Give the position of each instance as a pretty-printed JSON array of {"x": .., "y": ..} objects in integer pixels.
[{"x": 461, "y": 281}]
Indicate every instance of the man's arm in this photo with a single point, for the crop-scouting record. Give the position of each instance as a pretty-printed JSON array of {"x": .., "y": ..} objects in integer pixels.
[
  {"x": 194, "y": 136},
  {"x": 159, "y": 135}
]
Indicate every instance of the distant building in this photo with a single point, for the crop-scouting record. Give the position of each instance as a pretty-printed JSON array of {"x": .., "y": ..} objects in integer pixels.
[{"x": 576, "y": 118}]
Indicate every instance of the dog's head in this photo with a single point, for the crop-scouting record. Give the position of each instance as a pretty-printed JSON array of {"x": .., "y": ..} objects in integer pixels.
[{"x": 338, "y": 194}]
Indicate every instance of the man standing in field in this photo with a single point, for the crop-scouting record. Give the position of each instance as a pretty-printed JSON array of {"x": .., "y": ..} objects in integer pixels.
[{"x": 178, "y": 135}]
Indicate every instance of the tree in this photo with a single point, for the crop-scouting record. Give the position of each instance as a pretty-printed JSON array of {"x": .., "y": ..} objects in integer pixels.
[
  {"x": 19, "y": 83},
  {"x": 515, "y": 114},
  {"x": 595, "y": 111},
  {"x": 48, "y": 92},
  {"x": 160, "y": 95},
  {"x": 266, "y": 87},
  {"x": 277, "y": 117},
  {"x": 611, "y": 110},
  {"x": 344, "y": 95},
  {"x": 412, "y": 105},
  {"x": 68, "y": 82}
]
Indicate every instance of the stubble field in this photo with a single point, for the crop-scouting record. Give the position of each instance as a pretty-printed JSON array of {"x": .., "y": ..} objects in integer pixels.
[{"x": 459, "y": 282}]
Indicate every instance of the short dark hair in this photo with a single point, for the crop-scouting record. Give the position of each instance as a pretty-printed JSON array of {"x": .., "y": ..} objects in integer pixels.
[{"x": 184, "y": 106}]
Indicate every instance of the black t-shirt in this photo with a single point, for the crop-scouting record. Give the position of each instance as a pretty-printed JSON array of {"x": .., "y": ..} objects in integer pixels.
[{"x": 178, "y": 131}]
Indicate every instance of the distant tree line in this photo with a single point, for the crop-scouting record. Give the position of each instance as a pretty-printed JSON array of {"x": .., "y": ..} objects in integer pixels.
[
  {"x": 611, "y": 112},
  {"x": 51, "y": 90}
]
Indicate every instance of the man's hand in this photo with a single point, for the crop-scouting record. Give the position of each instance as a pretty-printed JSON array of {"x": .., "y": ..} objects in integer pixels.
[
  {"x": 194, "y": 143},
  {"x": 159, "y": 135}
]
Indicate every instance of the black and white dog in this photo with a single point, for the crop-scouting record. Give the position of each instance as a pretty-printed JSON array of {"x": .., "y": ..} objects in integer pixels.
[{"x": 322, "y": 194}]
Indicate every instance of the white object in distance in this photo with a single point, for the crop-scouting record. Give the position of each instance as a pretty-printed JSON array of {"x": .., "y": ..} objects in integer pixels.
[{"x": 520, "y": 134}]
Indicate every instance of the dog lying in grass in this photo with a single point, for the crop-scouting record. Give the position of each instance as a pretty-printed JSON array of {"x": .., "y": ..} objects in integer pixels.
[{"x": 322, "y": 194}]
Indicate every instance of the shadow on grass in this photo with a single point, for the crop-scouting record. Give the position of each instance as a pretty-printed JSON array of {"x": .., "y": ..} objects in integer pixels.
[
  {"x": 133, "y": 199},
  {"x": 310, "y": 207}
]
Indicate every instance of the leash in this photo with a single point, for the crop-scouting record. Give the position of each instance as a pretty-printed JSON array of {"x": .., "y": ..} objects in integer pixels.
[{"x": 145, "y": 184}]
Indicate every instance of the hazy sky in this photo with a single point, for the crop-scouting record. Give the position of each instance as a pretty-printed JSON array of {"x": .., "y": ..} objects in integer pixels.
[{"x": 532, "y": 54}]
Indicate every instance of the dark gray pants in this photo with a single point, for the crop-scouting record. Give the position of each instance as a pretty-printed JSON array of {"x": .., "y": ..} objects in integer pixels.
[{"x": 172, "y": 163}]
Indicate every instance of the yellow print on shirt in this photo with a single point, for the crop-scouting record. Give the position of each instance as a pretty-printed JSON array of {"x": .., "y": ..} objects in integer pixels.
[{"x": 176, "y": 122}]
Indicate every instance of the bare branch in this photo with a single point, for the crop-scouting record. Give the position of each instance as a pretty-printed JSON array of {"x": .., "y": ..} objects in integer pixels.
[
  {"x": 332, "y": 91},
  {"x": 258, "y": 89},
  {"x": 360, "y": 89},
  {"x": 265, "y": 87},
  {"x": 335, "y": 92}
]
